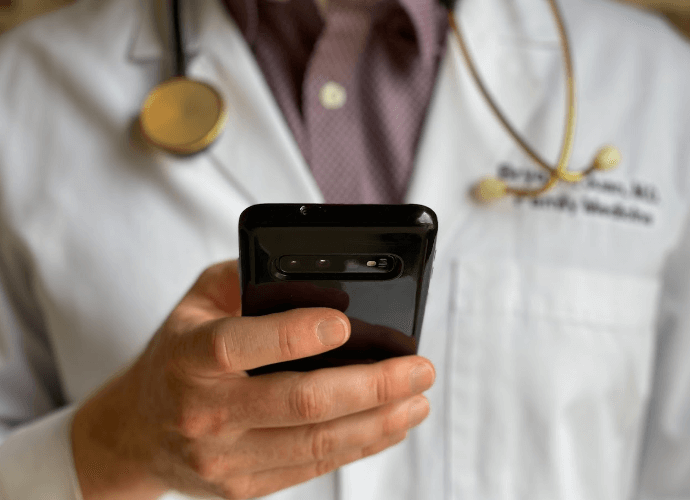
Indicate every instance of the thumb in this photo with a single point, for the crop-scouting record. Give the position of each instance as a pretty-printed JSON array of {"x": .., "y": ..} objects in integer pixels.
[{"x": 243, "y": 343}]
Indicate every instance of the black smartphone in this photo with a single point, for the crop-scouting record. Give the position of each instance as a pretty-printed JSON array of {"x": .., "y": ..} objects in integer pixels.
[{"x": 372, "y": 262}]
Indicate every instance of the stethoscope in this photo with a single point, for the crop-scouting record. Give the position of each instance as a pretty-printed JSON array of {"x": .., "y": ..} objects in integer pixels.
[{"x": 184, "y": 116}]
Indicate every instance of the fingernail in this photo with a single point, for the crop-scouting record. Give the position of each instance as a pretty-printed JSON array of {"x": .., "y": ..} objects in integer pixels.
[
  {"x": 331, "y": 331},
  {"x": 421, "y": 377},
  {"x": 417, "y": 411}
]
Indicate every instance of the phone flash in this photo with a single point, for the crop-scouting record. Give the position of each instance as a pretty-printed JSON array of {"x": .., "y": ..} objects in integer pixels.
[{"x": 371, "y": 263}]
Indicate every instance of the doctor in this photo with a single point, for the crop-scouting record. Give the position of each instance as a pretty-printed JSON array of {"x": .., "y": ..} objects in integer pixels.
[{"x": 556, "y": 330}]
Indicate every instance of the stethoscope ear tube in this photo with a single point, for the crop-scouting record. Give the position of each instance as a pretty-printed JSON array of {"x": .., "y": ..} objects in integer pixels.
[
  {"x": 492, "y": 188},
  {"x": 180, "y": 58}
]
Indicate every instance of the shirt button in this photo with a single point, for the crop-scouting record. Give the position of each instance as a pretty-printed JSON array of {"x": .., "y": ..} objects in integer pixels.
[{"x": 332, "y": 95}]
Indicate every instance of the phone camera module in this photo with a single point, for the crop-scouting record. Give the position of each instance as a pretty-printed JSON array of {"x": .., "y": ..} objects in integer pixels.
[
  {"x": 303, "y": 210},
  {"x": 324, "y": 266}
]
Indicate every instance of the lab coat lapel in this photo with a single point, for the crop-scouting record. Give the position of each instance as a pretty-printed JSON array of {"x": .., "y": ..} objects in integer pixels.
[
  {"x": 257, "y": 150},
  {"x": 152, "y": 37}
]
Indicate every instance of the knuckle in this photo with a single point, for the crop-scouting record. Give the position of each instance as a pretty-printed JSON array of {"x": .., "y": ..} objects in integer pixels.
[
  {"x": 194, "y": 422},
  {"x": 216, "y": 421},
  {"x": 307, "y": 403},
  {"x": 189, "y": 423},
  {"x": 383, "y": 387},
  {"x": 324, "y": 443},
  {"x": 287, "y": 342},
  {"x": 221, "y": 350}
]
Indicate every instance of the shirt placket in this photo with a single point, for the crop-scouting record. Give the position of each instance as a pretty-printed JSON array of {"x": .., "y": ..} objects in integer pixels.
[{"x": 330, "y": 98}]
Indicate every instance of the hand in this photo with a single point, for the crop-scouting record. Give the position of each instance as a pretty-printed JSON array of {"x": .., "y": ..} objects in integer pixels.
[{"x": 187, "y": 416}]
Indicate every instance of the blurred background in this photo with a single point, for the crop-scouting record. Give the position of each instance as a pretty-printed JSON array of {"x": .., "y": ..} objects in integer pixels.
[{"x": 13, "y": 12}]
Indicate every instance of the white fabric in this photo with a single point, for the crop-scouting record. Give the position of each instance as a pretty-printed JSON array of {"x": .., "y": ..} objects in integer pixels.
[
  {"x": 36, "y": 461},
  {"x": 543, "y": 319}
]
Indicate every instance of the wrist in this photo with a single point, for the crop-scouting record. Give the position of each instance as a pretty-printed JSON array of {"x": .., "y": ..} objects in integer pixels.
[{"x": 111, "y": 454}]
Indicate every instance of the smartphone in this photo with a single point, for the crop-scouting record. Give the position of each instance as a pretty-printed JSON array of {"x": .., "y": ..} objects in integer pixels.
[{"x": 372, "y": 262}]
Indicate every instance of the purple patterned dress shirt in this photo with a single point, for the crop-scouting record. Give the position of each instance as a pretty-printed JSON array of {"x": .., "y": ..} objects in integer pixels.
[{"x": 353, "y": 87}]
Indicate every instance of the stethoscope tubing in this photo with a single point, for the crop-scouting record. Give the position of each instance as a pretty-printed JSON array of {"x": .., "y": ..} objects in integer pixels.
[
  {"x": 180, "y": 68},
  {"x": 560, "y": 171}
]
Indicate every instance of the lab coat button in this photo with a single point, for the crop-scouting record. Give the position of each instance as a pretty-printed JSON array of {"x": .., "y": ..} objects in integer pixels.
[{"x": 332, "y": 95}]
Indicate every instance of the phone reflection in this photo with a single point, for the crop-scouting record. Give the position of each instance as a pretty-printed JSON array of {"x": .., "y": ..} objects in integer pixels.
[{"x": 368, "y": 343}]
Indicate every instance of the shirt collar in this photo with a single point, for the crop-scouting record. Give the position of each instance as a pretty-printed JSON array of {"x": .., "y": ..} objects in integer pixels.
[
  {"x": 430, "y": 24},
  {"x": 246, "y": 16},
  {"x": 428, "y": 19}
]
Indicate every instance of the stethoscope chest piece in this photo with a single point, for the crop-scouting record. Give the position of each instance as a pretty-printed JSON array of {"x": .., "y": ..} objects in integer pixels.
[{"x": 182, "y": 116}]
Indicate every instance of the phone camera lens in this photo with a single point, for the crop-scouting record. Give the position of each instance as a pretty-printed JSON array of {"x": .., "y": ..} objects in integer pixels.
[
  {"x": 303, "y": 210},
  {"x": 323, "y": 263}
]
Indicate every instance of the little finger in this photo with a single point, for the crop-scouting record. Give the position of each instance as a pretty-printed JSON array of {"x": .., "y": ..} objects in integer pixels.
[{"x": 266, "y": 482}]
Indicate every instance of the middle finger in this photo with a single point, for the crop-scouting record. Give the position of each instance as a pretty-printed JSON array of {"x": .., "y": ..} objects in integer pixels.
[{"x": 290, "y": 399}]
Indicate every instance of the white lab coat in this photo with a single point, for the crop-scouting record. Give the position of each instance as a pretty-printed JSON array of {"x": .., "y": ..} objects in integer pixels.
[{"x": 545, "y": 320}]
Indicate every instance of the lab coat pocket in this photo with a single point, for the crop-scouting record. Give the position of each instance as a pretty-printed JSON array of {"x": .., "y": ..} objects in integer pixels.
[{"x": 550, "y": 373}]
